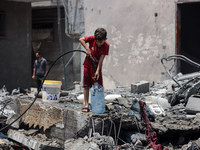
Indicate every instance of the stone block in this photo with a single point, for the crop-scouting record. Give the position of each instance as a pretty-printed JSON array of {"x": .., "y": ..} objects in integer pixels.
[
  {"x": 140, "y": 87},
  {"x": 193, "y": 104}
]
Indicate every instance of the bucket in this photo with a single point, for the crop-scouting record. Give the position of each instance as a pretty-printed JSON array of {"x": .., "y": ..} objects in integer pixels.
[
  {"x": 97, "y": 99},
  {"x": 51, "y": 91}
]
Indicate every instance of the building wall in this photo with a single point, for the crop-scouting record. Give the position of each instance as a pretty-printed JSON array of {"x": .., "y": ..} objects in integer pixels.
[
  {"x": 140, "y": 33},
  {"x": 15, "y": 48}
]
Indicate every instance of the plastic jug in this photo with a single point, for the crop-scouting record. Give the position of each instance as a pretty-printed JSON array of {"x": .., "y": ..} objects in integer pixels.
[
  {"x": 97, "y": 98},
  {"x": 157, "y": 100}
]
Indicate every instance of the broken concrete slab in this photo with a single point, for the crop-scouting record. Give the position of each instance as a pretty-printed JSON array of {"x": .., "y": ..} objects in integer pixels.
[
  {"x": 140, "y": 87},
  {"x": 11, "y": 118},
  {"x": 31, "y": 142},
  {"x": 121, "y": 101},
  {"x": 80, "y": 143},
  {"x": 43, "y": 116},
  {"x": 96, "y": 142},
  {"x": 30, "y": 132},
  {"x": 62, "y": 122},
  {"x": 193, "y": 104}
]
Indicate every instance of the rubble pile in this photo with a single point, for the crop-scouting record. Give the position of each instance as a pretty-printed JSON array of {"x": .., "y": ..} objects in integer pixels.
[{"x": 64, "y": 126}]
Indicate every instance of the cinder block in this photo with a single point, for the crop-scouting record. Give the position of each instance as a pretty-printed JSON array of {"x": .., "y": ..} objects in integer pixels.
[
  {"x": 193, "y": 104},
  {"x": 140, "y": 87}
]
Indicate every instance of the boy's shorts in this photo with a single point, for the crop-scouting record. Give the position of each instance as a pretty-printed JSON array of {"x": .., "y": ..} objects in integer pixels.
[{"x": 89, "y": 79}]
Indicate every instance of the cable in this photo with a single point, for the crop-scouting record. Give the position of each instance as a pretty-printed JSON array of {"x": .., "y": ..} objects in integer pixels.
[{"x": 40, "y": 87}]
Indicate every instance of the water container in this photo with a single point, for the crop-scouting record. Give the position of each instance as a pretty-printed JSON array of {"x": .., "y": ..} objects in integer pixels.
[
  {"x": 51, "y": 91},
  {"x": 97, "y": 98},
  {"x": 157, "y": 100}
]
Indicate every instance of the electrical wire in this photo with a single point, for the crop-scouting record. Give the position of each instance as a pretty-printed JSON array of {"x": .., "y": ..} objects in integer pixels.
[{"x": 40, "y": 87}]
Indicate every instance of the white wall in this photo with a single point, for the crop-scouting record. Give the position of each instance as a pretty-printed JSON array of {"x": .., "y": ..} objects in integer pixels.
[{"x": 138, "y": 40}]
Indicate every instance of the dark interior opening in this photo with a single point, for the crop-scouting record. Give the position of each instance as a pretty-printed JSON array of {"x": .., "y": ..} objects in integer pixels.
[
  {"x": 190, "y": 35},
  {"x": 2, "y": 24},
  {"x": 42, "y": 26}
]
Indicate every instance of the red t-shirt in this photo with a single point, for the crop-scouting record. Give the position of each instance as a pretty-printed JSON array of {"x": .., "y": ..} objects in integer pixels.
[{"x": 95, "y": 51}]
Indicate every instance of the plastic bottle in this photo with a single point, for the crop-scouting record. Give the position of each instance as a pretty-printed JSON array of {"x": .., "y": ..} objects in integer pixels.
[
  {"x": 157, "y": 100},
  {"x": 97, "y": 98}
]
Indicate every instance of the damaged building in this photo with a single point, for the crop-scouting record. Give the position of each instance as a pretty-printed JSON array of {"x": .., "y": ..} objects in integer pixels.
[
  {"x": 138, "y": 36},
  {"x": 151, "y": 75}
]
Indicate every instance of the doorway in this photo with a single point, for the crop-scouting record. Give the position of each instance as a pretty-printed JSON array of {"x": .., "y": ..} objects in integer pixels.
[{"x": 188, "y": 34}]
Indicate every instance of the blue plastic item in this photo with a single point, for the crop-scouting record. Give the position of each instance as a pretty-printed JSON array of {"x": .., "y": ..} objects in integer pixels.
[{"x": 97, "y": 98}]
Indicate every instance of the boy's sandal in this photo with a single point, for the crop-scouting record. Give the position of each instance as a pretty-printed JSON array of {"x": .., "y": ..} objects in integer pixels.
[{"x": 85, "y": 109}]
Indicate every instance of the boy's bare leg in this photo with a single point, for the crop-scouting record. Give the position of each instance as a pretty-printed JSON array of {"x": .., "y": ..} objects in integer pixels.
[{"x": 86, "y": 97}]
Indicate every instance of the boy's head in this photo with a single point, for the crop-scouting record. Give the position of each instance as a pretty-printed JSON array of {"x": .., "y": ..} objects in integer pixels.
[{"x": 100, "y": 35}]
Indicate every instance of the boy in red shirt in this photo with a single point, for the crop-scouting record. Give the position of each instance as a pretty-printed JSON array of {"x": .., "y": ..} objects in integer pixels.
[{"x": 97, "y": 50}]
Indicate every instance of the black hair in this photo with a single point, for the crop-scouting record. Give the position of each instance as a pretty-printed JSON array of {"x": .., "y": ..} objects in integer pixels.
[
  {"x": 39, "y": 52},
  {"x": 100, "y": 34}
]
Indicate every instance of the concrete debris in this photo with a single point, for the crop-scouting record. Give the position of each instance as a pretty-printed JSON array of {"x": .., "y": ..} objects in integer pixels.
[
  {"x": 193, "y": 104},
  {"x": 3, "y": 92},
  {"x": 185, "y": 85},
  {"x": 30, "y": 141},
  {"x": 192, "y": 145},
  {"x": 96, "y": 142},
  {"x": 63, "y": 125},
  {"x": 11, "y": 118},
  {"x": 80, "y": 143},
  {"x": 42, "y": 115},
  {"x": 6, "y": 145},
  {"x": 121, "y": 101}
]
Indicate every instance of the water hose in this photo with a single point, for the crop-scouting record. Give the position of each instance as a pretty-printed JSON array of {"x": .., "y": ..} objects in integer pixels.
[{"x": 41, "y": 87}]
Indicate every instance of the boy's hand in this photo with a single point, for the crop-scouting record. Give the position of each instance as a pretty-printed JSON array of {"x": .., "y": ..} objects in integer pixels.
[
  {"x": 88, "y": 52},
  {"x": 96, "y": 76}
]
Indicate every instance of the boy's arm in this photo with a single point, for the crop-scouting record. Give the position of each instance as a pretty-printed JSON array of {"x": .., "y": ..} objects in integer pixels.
[
  {"x": 99, "y": 66},
  {"x": 82, "y": 41}
]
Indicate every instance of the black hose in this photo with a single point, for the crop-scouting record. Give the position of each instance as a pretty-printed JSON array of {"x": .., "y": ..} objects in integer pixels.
[{"x": 41, "y": 87}]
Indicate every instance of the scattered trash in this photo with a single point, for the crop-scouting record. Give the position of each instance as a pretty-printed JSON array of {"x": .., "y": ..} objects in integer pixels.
[
  {"x": 156, "y": 109},
  {"x": 135, "y": 110},
  {"x": 111, "y": 97},
  {"x": 157, "y": 100},
  {"x": 138, "y": 136}
]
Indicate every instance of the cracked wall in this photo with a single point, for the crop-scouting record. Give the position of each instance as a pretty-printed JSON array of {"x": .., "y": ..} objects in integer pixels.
[{"x": 140, "y": 33}]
